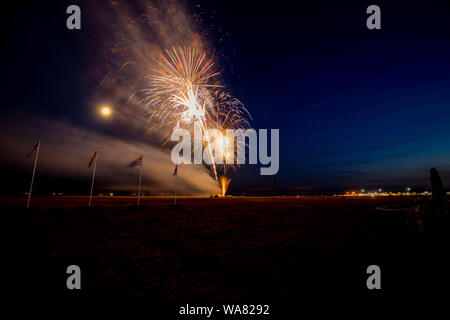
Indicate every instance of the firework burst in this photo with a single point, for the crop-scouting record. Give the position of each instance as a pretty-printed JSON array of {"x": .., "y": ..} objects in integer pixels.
[
  {"x": 180, "y": 86},
  {"x": 183, "y": 88}
]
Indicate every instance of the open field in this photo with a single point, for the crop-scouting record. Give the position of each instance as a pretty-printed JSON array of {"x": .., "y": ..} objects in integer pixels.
[{"x": 262, "y": 249}]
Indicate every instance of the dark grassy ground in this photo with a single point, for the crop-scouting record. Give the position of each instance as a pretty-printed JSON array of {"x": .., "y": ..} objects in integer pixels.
[{"x": 263, "y": 250}]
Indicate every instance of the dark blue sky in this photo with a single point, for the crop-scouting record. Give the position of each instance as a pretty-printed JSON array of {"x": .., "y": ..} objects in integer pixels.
[{"x": 355, "y": 107}]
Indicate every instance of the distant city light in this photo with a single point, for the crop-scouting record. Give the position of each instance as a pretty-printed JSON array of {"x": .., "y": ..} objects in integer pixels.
[{"x": 380, "y": 193}]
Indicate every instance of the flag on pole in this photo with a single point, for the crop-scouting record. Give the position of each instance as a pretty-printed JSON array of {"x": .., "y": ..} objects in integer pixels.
[
  {"x": 33, "y": 150},
  {"x": 176, "y": 170},
  {"x": 137, "y": 162},
  {"x": 92, "y": 159},
  {"x": 134, "y": 163}
]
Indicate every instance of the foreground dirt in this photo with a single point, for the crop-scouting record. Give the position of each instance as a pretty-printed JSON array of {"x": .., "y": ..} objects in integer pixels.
[{"x": 216, "y": 249}]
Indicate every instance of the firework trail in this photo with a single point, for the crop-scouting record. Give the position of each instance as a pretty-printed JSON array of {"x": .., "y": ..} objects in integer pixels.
[
  {"x": 183, "y": 88},
  {"x": 230, "y": 114}
]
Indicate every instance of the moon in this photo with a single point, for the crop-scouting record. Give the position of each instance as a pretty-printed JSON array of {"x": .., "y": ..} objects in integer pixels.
[{"x": 105, "y": 111}]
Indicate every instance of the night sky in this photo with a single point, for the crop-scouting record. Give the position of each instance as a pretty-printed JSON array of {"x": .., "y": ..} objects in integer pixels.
[{"x": 356, "y": 108}]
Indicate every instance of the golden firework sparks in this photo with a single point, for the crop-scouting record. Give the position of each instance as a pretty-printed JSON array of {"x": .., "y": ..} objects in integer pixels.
[{"x": 183, "y": 88}]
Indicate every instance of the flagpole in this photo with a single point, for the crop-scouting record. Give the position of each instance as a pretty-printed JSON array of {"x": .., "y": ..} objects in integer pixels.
[
  {"x": 34, "y": 171},
  {"x": 140, "y": 178},
  {"x": 93, "y": 177},
  {"x": 175, "y": 173}
]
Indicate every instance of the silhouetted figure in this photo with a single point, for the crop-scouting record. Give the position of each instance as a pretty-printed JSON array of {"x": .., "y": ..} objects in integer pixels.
[{"x": 437, "y": 189}]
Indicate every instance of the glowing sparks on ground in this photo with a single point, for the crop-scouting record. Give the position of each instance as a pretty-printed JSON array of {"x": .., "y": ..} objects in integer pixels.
[{"x": 224, "y": 183}]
